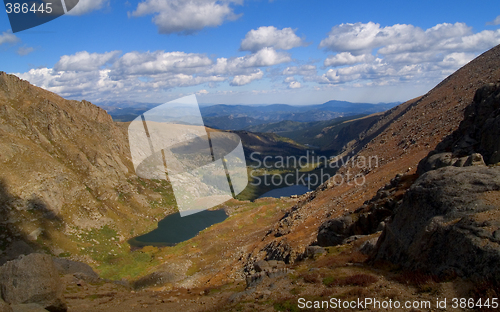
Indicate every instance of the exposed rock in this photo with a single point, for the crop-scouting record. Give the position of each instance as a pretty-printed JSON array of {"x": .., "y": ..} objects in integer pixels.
[
  {"x": 447, "y": 225},
  {"x": 276, "y": 265},
  {"x": 367, "y": 219},
  {"x": 475, "y": 159},
  {"x": 475, "y": 142},
  {"x": 368, "y": 247},
  {"x": 333, "y": 232},
  {"x": 32, "y": 279},
  {"x": 351, "y": 239},
  {"x": 280, "y": 251},
  {"x": 312, "y": 251},
  {"x": 253, "y": 280},
  {"x": 261, "y": 265}
]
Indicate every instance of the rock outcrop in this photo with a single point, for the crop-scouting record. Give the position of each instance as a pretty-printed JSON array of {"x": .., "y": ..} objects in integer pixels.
[
  {"x": 32, "y": 279},
  {"x": 367, "y": 219},
  {"x": 476, "y": 141},
  {"x": 265, "y": 269},
  {"x": 449, "y": 220},
  {"x": 448, "y": 224}
]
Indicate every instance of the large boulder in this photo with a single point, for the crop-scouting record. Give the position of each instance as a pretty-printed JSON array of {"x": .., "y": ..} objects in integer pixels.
[
  {"x": 334, "y": 231},
  {"x": 32, "y": 279},
  {"x": 448, "y": 224}
]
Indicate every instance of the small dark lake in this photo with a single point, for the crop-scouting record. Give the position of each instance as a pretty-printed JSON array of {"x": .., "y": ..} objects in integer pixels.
[{"x": 174, "y": 229}]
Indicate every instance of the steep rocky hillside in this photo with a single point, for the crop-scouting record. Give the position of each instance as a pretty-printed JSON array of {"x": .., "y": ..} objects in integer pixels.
[
  {"x": 396, "y": 143},
  {"x": 448, "y": 221},
  {"x": 66, "y": 172}
]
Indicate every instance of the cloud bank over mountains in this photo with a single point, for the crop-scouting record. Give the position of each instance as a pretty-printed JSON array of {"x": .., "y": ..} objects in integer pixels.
[{"x": 356, "y": 55}]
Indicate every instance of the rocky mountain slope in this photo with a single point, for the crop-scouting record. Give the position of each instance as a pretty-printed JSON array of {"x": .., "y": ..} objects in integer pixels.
[
  {"x": 449, "y": 220},
  {"x": 66, "y": 172},
  {"x": 398, "y": 141}
]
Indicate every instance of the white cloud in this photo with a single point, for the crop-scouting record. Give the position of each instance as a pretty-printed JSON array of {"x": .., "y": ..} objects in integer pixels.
[
  {"x": 185, "y": 16},
  {"x": 403, "y": 52},
  {"x": 362, "y": 38},
  {"x": 294, "y": 85},
  {"x": 24, "y": 50},
  {"x": 346, "y": 58},
  {"x": 84, "y": 61},
  {"x": 8, "y": 37},
  {"x": 270, "y": 36},
  {"x": 304, "y": 70},
  {"x": 153, "y": 63},
  {"x": 111, "y": 75},
  {"x": 245, "y": 64},
  {"x": 496, "y": 21},
  {"x": 87, "y": 6},
  {"x": 264, "y": 57},
  {"x": 241, "y": 80}
]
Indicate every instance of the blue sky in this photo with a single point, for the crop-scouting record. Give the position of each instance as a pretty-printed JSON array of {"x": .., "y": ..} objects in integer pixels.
[{"x": 250, "y": 51}]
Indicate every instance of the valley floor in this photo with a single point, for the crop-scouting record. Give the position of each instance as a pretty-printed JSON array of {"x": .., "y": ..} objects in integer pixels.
[{"x": 340, "y": 274}]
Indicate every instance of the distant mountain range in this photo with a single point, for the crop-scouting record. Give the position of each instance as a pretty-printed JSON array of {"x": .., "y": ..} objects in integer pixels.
[{"x": 242, "y": 117}]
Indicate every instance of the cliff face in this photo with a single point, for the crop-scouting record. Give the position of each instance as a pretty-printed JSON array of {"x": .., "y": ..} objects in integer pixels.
[{"x": 66, "y": 169}]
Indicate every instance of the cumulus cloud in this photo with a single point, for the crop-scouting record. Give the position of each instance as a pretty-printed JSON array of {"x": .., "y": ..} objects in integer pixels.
[
  {"x": 84, "y": 61},
  {"x": 87, "y": 6},
  {"x": 186, "y": 16},
  {"x": 264, "y": 57},
  {"x": 362, "y": 38},
  {"x": 153, "y": 63},
  {"x": 391, "y": 54},
  {"x": 294, "y": 85},
  {"x": 112, "y": 75},
  {"x": 241, "y": 80},
  {"x": 496, "y": 21},
  {"x": 346, "y": 58},
  {"x": 246, "y": 64},
  {"x": 270, "y": 36},
  {"x": 8, "y": 37}
]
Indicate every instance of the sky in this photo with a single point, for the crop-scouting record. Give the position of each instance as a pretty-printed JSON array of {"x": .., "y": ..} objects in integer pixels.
[{"x": 250, "y": 51}]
